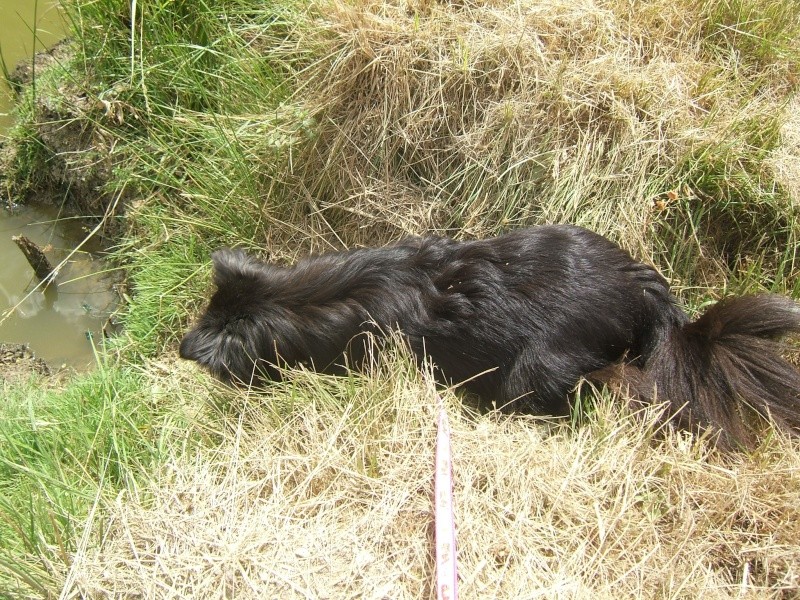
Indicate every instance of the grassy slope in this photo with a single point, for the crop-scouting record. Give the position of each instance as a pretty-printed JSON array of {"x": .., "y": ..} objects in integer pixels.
[{"x": 300, "y": 127}]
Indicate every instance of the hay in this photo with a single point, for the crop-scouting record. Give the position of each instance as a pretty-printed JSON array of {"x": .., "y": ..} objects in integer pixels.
[
  {"x": 330, "y": 497},
  {"x": 500, "y": 113}
]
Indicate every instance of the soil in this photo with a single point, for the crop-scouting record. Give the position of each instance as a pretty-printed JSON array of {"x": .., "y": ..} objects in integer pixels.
[
  {"x": 18, "y": 362},
  {"x": 75, "y": 156}
]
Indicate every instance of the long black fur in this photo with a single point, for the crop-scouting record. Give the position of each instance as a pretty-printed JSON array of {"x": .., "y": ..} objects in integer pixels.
[{"x": 520, "y": 318}]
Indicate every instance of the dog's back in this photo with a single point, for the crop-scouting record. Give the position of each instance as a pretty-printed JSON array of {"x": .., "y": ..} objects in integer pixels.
[{"x": 538, "y": 308}]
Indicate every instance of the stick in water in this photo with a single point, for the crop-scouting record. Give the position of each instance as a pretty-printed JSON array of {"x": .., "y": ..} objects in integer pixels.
[
  {"x": 446, "y": 571},
  {"x": 36, "y": 259}
]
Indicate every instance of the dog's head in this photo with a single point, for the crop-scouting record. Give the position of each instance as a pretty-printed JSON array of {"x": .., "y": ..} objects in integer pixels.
[{"x": 234, "y": 339}]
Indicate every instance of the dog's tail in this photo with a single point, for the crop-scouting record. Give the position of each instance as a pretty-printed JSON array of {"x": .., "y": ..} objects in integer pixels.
[{"x": 725, "y": 369}]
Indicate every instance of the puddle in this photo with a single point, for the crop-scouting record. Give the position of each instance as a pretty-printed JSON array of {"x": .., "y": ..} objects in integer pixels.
[{"x": 60, "y": 322}]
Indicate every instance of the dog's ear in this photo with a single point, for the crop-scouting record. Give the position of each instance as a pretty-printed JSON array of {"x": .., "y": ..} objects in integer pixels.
[{"x": 234, "y": 266}]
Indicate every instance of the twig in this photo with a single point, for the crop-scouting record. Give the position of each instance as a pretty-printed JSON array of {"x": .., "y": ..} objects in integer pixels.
[{"x": 36, "y": 258}]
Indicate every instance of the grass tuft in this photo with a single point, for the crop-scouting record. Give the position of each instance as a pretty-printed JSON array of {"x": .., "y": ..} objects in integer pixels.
[
  {"x": 64, "y": 451},
  {"x": 321, "y": 487}
]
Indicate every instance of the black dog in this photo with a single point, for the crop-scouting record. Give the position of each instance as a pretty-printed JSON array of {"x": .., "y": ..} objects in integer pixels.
[{"x": 520, "y": 318}]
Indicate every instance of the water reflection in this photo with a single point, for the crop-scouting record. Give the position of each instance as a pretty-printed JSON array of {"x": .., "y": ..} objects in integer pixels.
[{"x": 58, "y": 322}]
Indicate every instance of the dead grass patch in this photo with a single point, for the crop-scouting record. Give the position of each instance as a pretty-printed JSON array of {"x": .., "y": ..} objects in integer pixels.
[
  {"x": 503, "y": 114},
  {"x": 321, "y": 488}
]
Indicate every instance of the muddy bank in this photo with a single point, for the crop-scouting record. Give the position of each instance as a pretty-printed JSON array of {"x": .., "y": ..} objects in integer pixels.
[
  {"x": 60, "y": 154},
  {"x": 57, "y": 157},
  {"x": 24, "y": 71},
  {"x": 17, "y": 361}
]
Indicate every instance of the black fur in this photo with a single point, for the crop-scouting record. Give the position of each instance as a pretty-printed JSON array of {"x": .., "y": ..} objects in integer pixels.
[{"x": 534, "y": 311}]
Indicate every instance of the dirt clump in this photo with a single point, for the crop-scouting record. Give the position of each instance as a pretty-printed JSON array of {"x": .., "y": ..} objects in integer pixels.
[
  {"x": 24, "y": 71},
  {"x": 17, "y": 361}
]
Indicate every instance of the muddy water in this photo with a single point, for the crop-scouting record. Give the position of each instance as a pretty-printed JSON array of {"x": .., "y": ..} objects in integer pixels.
[
  {"x": 59, "y": 323},
  {"x": 19, "y": 39}
]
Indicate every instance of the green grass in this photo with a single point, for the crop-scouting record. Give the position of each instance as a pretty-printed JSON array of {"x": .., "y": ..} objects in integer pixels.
[
  {"x": 167, "y": 281},
  {"x": 63, "y": 451},
  {"x": 761, "y": 35},
  {"x": 170, "y": 57}
]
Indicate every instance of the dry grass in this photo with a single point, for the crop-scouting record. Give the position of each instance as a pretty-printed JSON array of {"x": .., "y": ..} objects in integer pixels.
[
  {"x": 331, "y": 498},
  {"x": 784, "y": 161},
  {"x": 489, "y": 115},
  {"x": 498, "y": 114}
]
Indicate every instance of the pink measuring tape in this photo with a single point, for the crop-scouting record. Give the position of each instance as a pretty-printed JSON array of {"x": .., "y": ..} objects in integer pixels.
[{"x": 446, "y": 570}]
